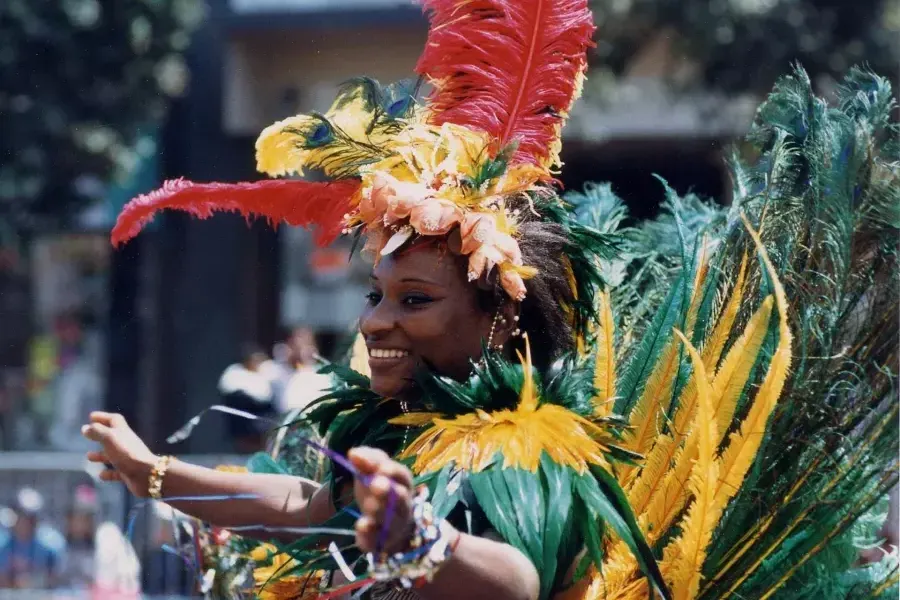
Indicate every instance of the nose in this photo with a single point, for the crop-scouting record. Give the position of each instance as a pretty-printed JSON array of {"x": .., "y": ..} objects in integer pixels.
[{"x": 377, "y": 321}]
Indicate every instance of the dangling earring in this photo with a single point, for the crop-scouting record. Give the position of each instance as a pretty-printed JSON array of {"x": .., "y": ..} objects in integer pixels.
[
  {"x": 497, "y": 319},
  {"x": 516, "y": 332}
]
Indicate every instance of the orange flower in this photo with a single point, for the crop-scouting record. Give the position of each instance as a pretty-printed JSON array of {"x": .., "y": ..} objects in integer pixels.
[
  {"x": 476, "y": 229},
  {"x": 374, "y": 202},
  {"x": 513, "y": 284},
  {"x": 435, "y": 216},
  {"x": 485, "y": 258}
]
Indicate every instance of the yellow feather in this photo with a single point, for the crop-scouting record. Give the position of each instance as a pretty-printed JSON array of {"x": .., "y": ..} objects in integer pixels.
[
  {"x": 282, "y": 148},
  {"x": 713, "y": 347},
  {"x": 743, "y": 444},
  {"x": 644, "y": 489},
  {"x": 671, "y": 493},
  {"x": 732, "y": 377},
  {"x": 521, "y": 436},
  {"x": 657, "y": 392},
  {"x": 655, "y": 468},
  {"x": 605, "y": 363},
  {"x": 527, "y": 397},
  {"x": 649, "y": 409},
  {"x": 704, "y": 513},
  {"x": 415, "y": 419},
  {"x": 660, "y": 493}
]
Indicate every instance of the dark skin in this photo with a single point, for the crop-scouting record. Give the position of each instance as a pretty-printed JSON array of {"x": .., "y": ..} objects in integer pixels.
[
  {"x": 422, "y": 310},
  {"x": 422, "y": 303}
]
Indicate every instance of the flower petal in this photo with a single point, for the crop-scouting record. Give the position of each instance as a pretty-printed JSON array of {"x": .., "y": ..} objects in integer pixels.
[
  {"x": 435, "y": 217},
  {"x": 512, "y": 284}
]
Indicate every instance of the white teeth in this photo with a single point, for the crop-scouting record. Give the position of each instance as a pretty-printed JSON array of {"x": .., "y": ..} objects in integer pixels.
[{"x": 382, "y": 353}]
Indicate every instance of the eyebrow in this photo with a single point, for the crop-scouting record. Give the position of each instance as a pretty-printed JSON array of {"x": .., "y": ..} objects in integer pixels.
[{"x": 372, "y": 277}]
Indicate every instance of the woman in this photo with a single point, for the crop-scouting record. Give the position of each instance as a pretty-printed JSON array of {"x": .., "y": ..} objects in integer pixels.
[
  {"x": 472, "y": 246},
  {"x": 421, "y": 310},
  {"x": 474, "y": 251}
]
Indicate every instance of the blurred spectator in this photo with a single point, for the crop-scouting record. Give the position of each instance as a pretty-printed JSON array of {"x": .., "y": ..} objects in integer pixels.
[
  {"x": 65, "y": 383},
  {"x": 164, "y": 573},
  {"x": 305, "y": 384},
  {"x": 77, "y": 572},
  {"x": 32, "y": 552},
  {"x": 117, "y": 570},
  {"x": 244, "y": 387}
]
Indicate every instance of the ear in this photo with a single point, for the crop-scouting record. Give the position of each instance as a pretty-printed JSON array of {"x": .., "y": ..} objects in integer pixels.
[{"x": 507, "y": 323}]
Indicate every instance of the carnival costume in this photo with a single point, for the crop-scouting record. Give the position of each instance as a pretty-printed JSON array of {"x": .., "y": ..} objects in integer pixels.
[{"x": 727, "y": 423}]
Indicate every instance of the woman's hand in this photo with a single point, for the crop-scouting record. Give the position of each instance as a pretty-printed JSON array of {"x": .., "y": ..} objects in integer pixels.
[
  {"x": 129, "y": 457},
  {"x": 385, "y": 474}
]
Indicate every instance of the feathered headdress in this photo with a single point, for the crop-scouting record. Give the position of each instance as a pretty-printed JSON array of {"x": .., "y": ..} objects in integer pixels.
[{"x": 468, "y": 161}]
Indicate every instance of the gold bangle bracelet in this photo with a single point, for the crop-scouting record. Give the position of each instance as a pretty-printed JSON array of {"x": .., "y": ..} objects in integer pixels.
[{"x": 156, "y": 476}]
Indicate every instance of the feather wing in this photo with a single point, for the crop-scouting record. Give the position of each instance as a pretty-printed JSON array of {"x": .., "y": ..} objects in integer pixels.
[
  {"x": 742, "y": 447},
  {"x": 605, "y": 361},
  {"x": 510, "y": 68},
  {"x": 704, "y": 513},
  {"x": 297, "y": 203}
]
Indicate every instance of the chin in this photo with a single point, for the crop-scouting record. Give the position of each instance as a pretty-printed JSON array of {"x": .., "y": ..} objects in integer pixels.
[{"x": 389, "y": 387}]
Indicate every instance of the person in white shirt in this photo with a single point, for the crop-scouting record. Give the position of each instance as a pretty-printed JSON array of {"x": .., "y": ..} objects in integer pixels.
[{"x": 245, "y": 387}]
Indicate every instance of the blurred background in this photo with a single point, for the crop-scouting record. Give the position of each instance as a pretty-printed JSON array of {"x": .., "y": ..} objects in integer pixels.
[{"x": 101, "y": 100}]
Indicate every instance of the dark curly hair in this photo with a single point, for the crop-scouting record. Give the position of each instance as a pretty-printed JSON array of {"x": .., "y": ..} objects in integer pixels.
[
  {"x": 559, "y": 303},
  {"x": 542, "y": 314}
]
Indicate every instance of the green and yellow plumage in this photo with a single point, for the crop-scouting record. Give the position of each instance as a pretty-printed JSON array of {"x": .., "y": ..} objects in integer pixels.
[
  {"x": 358, "y": 130},
  {"x": 799, "y": 409}
]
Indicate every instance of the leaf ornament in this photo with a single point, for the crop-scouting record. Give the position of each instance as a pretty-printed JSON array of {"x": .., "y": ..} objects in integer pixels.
[{"x": 509, "y": 68}]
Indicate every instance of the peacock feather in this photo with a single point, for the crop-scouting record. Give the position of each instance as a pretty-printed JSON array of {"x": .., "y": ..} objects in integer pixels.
[
  {"x": 783, "y": 435},
  {"x": 356, "y": 131}
]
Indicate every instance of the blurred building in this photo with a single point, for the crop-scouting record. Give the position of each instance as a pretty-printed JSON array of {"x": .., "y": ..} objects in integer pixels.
[{"x": 188, "y": 293}]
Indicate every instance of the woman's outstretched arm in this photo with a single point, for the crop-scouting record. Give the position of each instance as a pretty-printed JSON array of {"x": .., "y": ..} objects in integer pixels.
[{"x": 279, "y": 500}]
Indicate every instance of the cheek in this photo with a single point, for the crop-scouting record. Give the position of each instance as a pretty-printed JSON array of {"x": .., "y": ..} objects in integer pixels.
[{"x": 449, "y": 339}]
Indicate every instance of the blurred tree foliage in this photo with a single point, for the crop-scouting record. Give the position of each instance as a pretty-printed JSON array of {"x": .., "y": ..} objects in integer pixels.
[
  {"x": 744, "y": 45},
  {"x": 80, "y": 80}
]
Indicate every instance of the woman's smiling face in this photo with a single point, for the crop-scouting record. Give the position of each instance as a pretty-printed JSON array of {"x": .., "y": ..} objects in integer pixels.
[{"x": 422, "y": 310}]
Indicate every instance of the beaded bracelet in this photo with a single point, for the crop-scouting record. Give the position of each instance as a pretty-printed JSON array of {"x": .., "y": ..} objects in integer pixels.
[
  {"x": 429, "y": 549},
  {"x": 155, "y": 481}
]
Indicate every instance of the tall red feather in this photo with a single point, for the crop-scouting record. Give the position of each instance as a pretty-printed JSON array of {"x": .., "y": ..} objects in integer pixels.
[
  {"x": 295, "y": 202},
  {"x": 509, "y": 68}
]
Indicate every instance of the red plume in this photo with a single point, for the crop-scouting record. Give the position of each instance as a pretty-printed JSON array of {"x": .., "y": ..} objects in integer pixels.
[
  {"x": 510, "y": 68},
  {"x": 295, "y": 202}
]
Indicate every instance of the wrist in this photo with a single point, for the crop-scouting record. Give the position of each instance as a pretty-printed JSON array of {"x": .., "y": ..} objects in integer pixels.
[
  {"x": 157, "y": 476},
  {"x": 139, "y": 470}
]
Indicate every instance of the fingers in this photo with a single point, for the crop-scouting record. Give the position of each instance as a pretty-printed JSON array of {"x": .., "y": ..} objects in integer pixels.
[
  {"x": 96, "y": 432},
  {"x": 98, "y": 457},
  {"x": 371, "y": 461},
  {"x": 374, "y": 500},
  {"x": 109, "y": 475},
  {"x": 367, "y": 460},
  {"x": 366, "y": 534},
  {"x": 108, "y": 419}
]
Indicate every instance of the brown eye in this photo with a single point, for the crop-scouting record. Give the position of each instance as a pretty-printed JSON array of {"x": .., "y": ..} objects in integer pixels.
[
  {"x": 373, "y": 298},
  {"x": 417, "y": 299}
]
